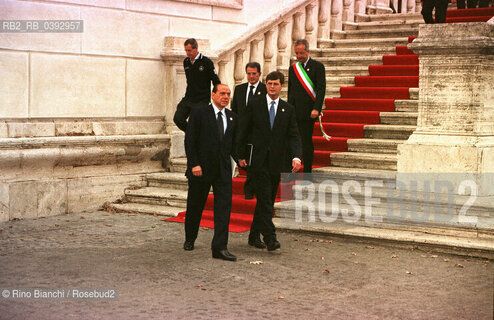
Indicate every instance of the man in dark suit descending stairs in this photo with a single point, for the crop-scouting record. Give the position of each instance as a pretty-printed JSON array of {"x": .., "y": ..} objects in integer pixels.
[{"x": 272, "y": 126}]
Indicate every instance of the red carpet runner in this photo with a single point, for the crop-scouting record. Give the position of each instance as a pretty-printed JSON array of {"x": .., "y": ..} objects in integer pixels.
[{"x": 345, "y": 117}]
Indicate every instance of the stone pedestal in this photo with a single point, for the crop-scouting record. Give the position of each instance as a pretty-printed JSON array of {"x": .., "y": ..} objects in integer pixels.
[{"x": 455, "y": 132}]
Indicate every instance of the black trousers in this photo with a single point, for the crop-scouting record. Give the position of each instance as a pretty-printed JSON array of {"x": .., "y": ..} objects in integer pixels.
[
  {"x": 460, "y": 4},
  {"x": 265, "y": 186},
  {"x": 306, "y": 129},
  {"x": 196, "y": 199},
  {"x": 441, "y": 7},
  {"x": 248, "y": 185},
  {"x": 183, "y": 111}
]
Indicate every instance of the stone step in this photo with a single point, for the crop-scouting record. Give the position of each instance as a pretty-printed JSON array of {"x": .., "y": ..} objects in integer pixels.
[
  {"x": 399, "y": 118},
  {"x": 358, "y": 174},
  {"x": 178, "y": 165},
  {"x": 174, "y": 180},
  {"x": 478, "y": 244},
  {"x": 340, "y": 81},
  {"x": 407, "y": 105},
  {"x": 386, "y": 25},
  {"x": 387, "y": 131},
  {"x": 340, "y": 71},
  {"x": 363, "y": 43},
  {"x": 373, "y": 145},
  {"x": 157, "y": 196},
  {"x": 414, "y": 93},
  {"x": 349, "y": 52},
  {"x": 368, "y": 34},
  {"x": 152, "y": 209},
  {"x": 394, "y": 17},
  {"x": 364, "y": 61},
  {"x": 364, "y": 160}
]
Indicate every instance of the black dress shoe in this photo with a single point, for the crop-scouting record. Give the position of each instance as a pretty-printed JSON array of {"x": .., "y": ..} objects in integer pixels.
[
  {"x": 224, "y": 254},
  {"x": 257, "y": 243},
  {"x": 188, "y": 245},
  {"x": 273, "y": 245},
  {"x": 249, "y": 196}
]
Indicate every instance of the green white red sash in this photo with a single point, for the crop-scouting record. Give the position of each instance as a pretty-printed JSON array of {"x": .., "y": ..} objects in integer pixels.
[
  {"x": 309, "y": 87},
  {"x": 304, "y": 80}
]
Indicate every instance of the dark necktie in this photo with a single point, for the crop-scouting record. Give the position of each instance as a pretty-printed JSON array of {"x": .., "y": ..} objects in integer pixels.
[
  {"x": 272, "y": 114},
  {"x": 251, "y": 93},
  {"x": 219, "y": 122}
]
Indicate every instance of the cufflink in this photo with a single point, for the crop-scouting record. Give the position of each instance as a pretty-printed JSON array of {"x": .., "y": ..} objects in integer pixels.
[
  {"x": 259, "y": 92},
  {"x": 231, "y": 119},
  {"x": 282, "y": 110}
]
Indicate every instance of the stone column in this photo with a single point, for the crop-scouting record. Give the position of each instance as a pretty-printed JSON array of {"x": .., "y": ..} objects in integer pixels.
[
  {"x": 222, "y": 71},
  {"x": 269, "y": 50},
  {"x": 336, "y": 14},
  {"x": 310, "y": 24},
  {"x": 298, "y": 28},
  {"x": 418, "y": 5},
  {"x": 254, "y": 51},
  {"x": 455, "y": 132},
  {"x": 239, "y": 70},
  {"x": 348, "y": 11},
  {"x": 410, "y": 6},
  {"x": 283, "y": 53},
  {"x": 324, "y": 12},
  {"x": 360, "y": 6}
]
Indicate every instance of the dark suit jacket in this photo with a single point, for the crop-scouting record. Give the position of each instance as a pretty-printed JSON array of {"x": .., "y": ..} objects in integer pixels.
[
  {"x": 240, "y": 93},
  {"x": 298, "y": 96},
  {"x": 203, "y": 146},
  {"x": 270, "y": 146}
]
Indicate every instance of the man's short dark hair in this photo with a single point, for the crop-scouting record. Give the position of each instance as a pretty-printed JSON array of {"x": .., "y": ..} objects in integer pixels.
[
  {"x": 304, "y": 42},
  {"x": 253, "y": 64},
  {"x": 192, "y": 42},
  {"x": 215, "y": 87},
  {"x": 275, "y": 75}
]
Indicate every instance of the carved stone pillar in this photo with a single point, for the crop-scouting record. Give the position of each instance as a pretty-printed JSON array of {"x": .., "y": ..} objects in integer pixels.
[
  {"x": 222, "y": 70},
  {"x": 298, "y": 27},
  {"x": 310, "y": 23},
  {"x": 418, "y": 5},
  {"x": 348, "y": 11},
  {"x": 360, "y": 6},
  {"x": 239, "y": 71},
  {"x": 254, "y": 51},
  {"x": 410, "y": 6},
  {"x": 283, "y": 42},
  {"x": 336, "y": 15},
  {"x": 269, "y": 51},
  {"x": 324, "y": 12},
  {"x": 455, "y": 132}
]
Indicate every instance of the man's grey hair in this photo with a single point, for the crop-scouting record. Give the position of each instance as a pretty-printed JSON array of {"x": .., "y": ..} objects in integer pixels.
[{"x": 304, "y": 42}]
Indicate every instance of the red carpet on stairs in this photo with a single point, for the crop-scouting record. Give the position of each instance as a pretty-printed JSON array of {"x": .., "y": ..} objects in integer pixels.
[{"x": 345, "y": 117}]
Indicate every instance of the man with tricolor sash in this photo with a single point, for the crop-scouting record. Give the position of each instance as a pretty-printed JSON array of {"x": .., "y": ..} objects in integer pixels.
[{"x": 306, "y": 90}]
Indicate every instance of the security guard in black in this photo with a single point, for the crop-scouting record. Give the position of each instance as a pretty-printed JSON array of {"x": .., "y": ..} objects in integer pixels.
[{"x": 199, "y": 71}]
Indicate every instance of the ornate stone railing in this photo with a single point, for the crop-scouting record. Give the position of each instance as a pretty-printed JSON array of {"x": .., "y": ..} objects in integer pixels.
[{"x": 269, "y": 43}]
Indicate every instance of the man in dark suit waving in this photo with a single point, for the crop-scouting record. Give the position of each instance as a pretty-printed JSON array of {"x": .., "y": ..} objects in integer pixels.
[
  {"x": 241, "y": 96},
  {"x": 272, "y": 126},
  {"x": 209, "y": 143},
  {"x": 306, "y": 90}
]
